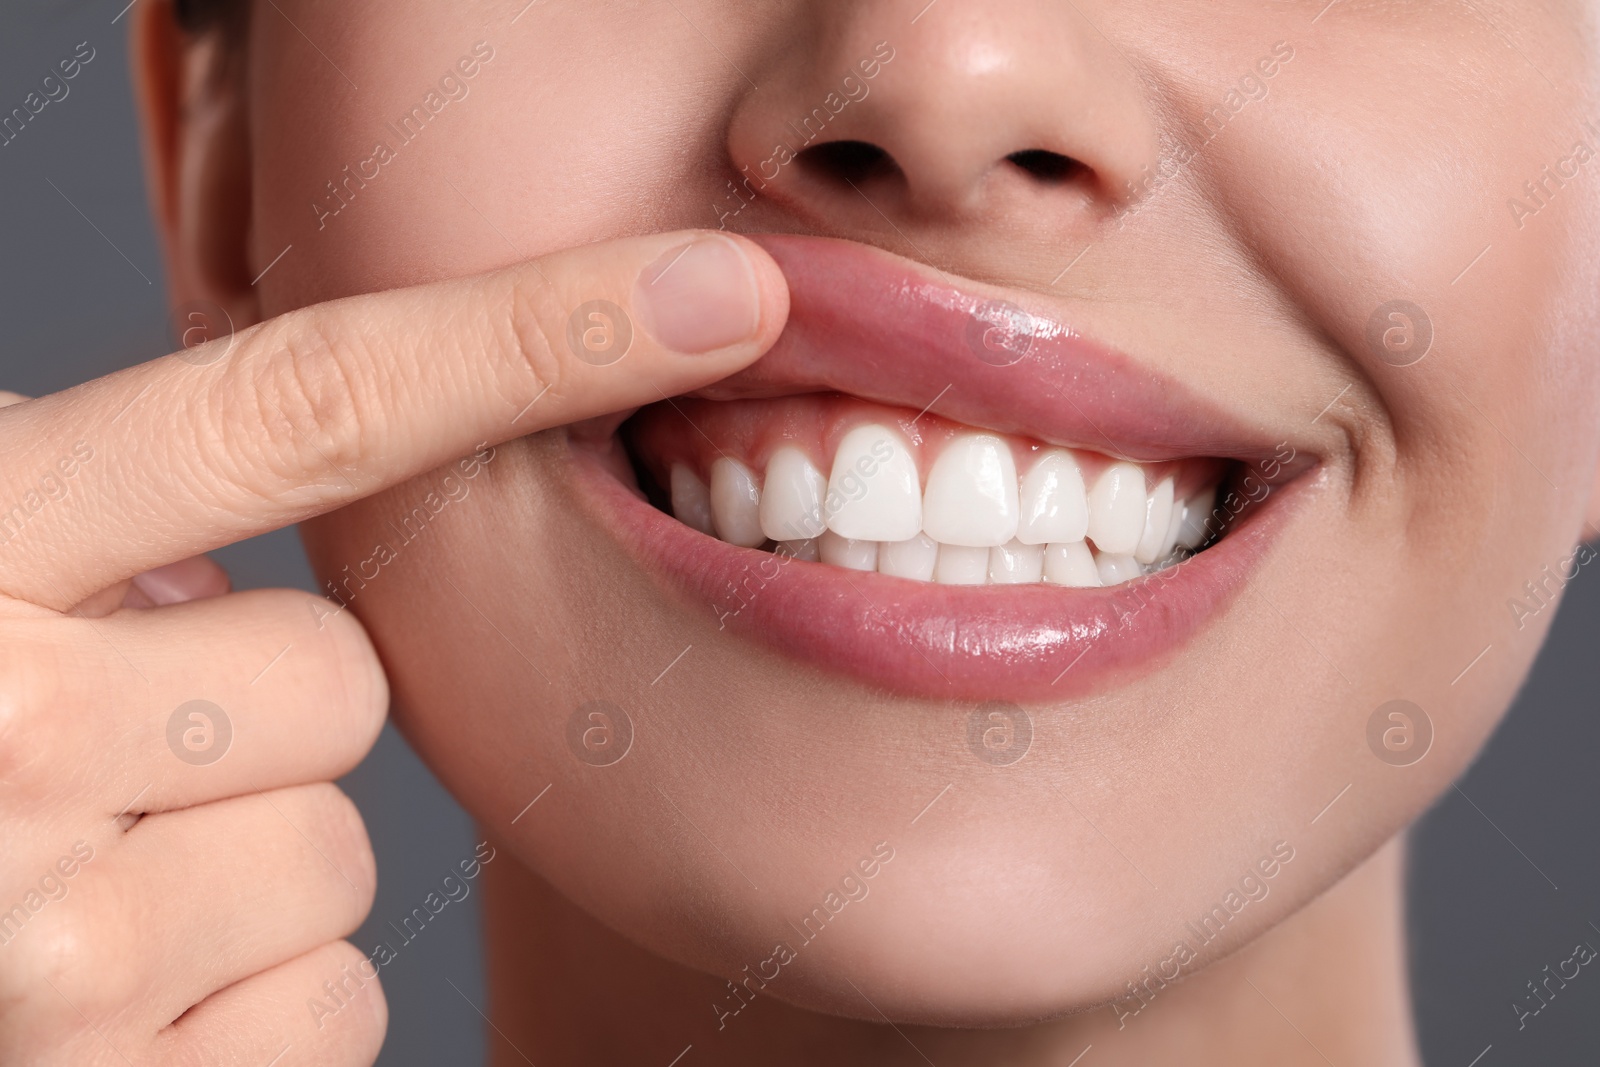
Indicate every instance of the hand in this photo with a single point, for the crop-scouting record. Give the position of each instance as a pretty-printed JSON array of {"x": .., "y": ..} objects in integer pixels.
[{"x": 179, "y": 871}]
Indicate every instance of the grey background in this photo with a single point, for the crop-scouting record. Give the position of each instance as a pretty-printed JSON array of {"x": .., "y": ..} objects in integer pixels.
[{"x": 1503, "y": 883}]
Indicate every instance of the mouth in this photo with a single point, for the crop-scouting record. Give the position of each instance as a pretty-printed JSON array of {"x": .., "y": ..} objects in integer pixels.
[{"x": 941, "y": 492}]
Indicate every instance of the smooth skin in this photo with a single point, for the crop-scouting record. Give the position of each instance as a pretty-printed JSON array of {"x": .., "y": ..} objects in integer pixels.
[
  {"x": 1376, "y": 165},
  {"x": 206, "y": 902}
]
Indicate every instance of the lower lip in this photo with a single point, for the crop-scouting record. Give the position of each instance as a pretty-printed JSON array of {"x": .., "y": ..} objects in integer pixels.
[{"x": 1022, "y": 643}]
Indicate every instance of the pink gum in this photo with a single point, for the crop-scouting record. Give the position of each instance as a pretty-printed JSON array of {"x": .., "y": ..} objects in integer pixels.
[{"x": 698, "y": 432}]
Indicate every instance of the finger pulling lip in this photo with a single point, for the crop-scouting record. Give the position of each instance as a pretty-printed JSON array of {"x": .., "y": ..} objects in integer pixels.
[
  {"x": 873, "y": 326},
  {"x": 876, "y": 326}
]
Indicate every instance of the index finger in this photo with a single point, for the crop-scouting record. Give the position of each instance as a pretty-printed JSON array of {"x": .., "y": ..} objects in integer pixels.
[{"x": 325, "y": 405}]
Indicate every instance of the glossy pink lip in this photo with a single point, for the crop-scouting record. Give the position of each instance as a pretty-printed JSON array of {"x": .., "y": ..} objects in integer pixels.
[
  {"x": 1020, "y": 643},
  {"x": 876, "y": 326},
  {"x": 870, "y": 324}
]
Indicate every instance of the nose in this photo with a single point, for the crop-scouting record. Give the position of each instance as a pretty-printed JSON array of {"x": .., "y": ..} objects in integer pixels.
[{"x": 951, "y": 111}]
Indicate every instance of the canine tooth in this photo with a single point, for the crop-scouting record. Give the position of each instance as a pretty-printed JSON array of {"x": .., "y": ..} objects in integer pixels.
[
  {"x": 791, "y": 496},
  {"x": 1116, "y": 509},
  {"x": 962, "y": 565},
  {"x": 691, "y": 500},
  {"x": 874, "y": 493},
  {"x": 1117, "y": 568},
  {"x": 1174, "y": 523},
  {"x": 1196, "y": 513},
  {"x": 1054, "y": 504},
  {"x": 845, "y": 552},
  {"x": 913, "y": 558},
  {"x": 1157, "y": 517},
  {"x": 1015, "y": 563},
  {"x": 1071, "y": 563},
  {"x": 805, "y": 549},
  {"x": 971, "y": 499},
  {"x": 736, "y": 503}
]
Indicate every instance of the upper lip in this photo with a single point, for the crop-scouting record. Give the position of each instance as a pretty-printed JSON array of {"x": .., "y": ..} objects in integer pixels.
[{"x": 865, "y": 322}]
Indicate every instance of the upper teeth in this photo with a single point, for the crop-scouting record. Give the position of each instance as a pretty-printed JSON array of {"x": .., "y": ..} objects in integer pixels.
[
  {"x": 874, "y": 493},
  {"x": 973, "y": 522},
  {"x": 791, "y": 506},
  {"x": 971, "y": 498},
  {"x": 1055, "y": 507}
]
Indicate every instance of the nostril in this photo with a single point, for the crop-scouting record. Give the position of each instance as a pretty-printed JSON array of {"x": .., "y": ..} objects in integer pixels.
[
  {"x": 1050, "y": 167},
  {"x": 851, "y": 161}
]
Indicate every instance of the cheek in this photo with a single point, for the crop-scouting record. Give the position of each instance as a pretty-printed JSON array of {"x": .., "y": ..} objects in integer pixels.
[
  {"x": 460, "y": 196},
  {"x": 1464, "y": 373}
]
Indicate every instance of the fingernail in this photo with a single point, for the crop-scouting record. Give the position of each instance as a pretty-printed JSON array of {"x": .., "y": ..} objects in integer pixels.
[
  {"x": 699, "y": 297},
  {"x": 188, "y": 579}
]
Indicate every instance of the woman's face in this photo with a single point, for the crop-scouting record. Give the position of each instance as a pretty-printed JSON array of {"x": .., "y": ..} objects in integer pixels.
[{"x": 1335, "y": 259}]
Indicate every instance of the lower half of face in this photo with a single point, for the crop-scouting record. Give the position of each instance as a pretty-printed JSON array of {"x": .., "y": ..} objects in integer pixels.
[{"x": 1010, "y": 629}]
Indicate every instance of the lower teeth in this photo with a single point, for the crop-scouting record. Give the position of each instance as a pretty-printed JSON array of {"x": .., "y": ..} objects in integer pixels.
[{"x": 1077, "y": 564}]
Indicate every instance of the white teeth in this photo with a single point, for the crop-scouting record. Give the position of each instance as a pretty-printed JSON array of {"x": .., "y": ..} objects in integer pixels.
[
  {"x": 1196, "y": 513},
  {"x": 736, "y": 503},
  {"x": 971, "y": 499},
  {"x": 962, "y": 565},
  {"x": 914, "y": 558},
  {"x": 1116, "y": 509},
  {"x": 1115, "y": 569},
  {"x": 844, "y": 552},
  {"x": 974, "y": 524},
  {"x": 1015, "y": 563},
  {"x": 806, "y": 549},
  {"x": 1054, "y": 504},
  {"x": 874, "y": 492},
  {"x": 1157, "y": 518},
  {"x": 691, "y": 500},
  {"x": 1071, "y": 564},
  {"x": 1174, "y": 524},
  {"x": 791, "y": 496}
]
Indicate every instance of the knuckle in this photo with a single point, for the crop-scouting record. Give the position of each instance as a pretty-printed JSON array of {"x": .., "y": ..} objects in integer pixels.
[
  {"x": 363, "y": 686},
  {"x": 359, "y": 1033},
  {"x": 306, "y": 395},
  {"x": 538, "y": 332},
  {"x": 334, "y": 825},
  {"x": 54, "y": 958},
  {"x": 32, "y": 681},
  {"x": 347, "y": 668}
]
